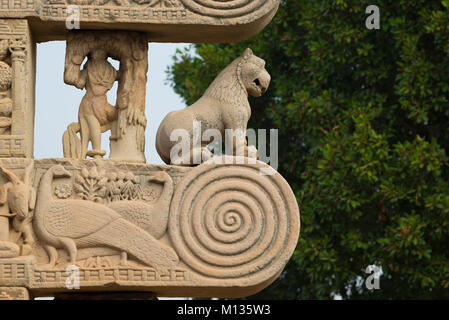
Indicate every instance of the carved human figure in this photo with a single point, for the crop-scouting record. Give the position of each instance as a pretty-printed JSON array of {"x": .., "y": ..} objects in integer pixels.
[
  {"x": 223, "y": 106},
  {"x": 126, "y": 119},
  {"x": 95, "y": 113}
]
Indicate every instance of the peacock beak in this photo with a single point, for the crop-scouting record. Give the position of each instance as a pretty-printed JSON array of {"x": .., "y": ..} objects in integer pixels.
[{"x": 65, "y": 174}]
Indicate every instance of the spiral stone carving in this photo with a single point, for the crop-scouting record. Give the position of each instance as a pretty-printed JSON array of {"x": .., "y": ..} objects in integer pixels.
[
  {"x": 225, "y": 8},
  {"x": 229, "y": 221}
]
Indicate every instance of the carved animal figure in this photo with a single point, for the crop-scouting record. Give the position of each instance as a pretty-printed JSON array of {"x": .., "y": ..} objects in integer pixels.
[
  {"x": 20, "y": 197},
  {"x": 152, "y": 217},
  {"x": 73, "y": 224},
  {"x": 223, "y": 106}
]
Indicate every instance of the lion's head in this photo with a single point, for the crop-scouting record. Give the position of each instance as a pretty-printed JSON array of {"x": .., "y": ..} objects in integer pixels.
[
  {"x": 253, "y": 75},
  {"x": 245, "y": 76}
]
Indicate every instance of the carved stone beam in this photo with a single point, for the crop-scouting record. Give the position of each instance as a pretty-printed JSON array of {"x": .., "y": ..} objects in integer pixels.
[
  {"x": 163, "y": 20},
  {"x": 217, "y": 230}
]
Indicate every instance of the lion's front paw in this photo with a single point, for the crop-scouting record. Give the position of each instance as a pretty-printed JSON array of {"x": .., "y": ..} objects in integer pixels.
[{"x": 252, "y": 152}]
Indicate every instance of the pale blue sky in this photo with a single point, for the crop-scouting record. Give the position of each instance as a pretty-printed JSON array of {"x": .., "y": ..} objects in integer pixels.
[{"x": 57, "y": 103}]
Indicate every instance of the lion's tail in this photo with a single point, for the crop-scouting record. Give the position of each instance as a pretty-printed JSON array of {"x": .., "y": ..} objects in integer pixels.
[{"x": 159, "y": 149}]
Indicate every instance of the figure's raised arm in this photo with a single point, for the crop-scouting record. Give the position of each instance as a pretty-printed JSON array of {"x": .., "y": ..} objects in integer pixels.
[{"x": 73, "y": 75}]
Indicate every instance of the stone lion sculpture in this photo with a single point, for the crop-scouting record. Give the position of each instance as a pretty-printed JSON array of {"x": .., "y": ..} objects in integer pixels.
[{"x": 223, "y": 106}]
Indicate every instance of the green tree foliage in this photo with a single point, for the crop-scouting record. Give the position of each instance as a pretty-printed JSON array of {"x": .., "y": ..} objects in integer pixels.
[{"x": 362, "y": 118}]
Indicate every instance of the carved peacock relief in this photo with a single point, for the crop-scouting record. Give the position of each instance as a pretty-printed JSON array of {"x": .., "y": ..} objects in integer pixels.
[{"x": 104, "y": 211}]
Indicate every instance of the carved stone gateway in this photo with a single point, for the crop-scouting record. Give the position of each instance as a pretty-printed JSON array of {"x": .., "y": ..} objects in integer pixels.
[{"x": 95, "y": 223}]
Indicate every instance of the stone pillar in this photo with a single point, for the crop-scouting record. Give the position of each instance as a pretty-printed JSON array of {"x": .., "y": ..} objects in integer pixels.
[
  {"x": 17, "y": 136},
  {"x": 18, "y": 55}
]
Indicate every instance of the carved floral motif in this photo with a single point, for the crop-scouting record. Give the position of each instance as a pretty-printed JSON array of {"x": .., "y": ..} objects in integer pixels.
[
  {"x": 97, "y": 263},
  {"x": 91, "y": 184},
  {"x": 98, "y": 186},
  {"x": 63, "y": 191}
]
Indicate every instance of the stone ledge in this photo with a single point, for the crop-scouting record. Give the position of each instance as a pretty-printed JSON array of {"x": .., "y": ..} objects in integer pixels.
[{"x": 174, "y": 21}]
